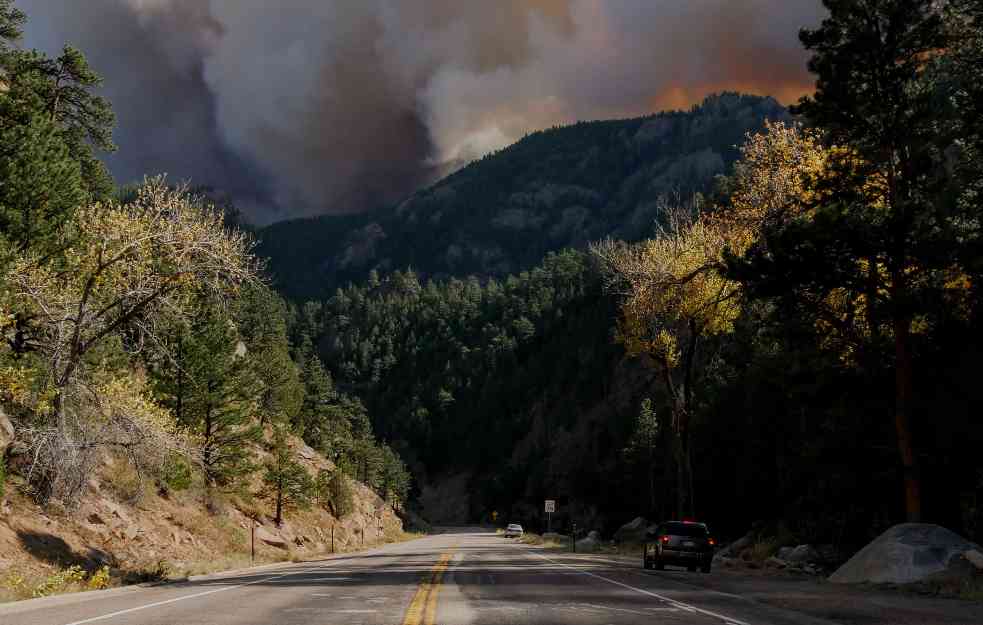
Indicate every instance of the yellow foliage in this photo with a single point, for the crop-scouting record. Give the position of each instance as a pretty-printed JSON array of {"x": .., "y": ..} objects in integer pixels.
[
  {"x": 672, "y": 287},
  {"x": 99, "y": 580},
  {"x": 773, "y": 180}
]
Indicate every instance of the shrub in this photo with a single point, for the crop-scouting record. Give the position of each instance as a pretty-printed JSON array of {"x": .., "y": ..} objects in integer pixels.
[
  {"x": 175, "y": 475},
  {"x": 60, "y": 581},
  {"x": 127, "y": 483},
  {"x": 99, "y": 580},
  {"x": 155, "y": 573}
]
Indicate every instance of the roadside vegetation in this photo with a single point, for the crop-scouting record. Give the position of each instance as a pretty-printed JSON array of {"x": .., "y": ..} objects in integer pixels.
[{"x": 138, "y": 332}]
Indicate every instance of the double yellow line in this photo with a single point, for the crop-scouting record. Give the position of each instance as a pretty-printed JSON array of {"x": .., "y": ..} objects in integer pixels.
[{"x": 423, "y": 608}]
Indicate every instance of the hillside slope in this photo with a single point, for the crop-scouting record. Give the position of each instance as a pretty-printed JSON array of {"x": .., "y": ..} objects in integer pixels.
[
  {"x": 144, "y": 534},
  {"x": 554, "y": 189}
]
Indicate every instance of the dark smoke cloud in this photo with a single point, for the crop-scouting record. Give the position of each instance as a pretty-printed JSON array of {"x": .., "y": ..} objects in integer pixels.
[{"x": 302, "y": 107}]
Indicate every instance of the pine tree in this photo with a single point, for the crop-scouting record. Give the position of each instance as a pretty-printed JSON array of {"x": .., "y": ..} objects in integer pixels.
[
  {"x": 287, "y": 482},
  {"x": 334, "y": 492},
  {"x": 876, "y": 235},
  {"x": 263, "y": 329},
  {"x": 394, "y": 480},
  {"x": 643, "y": 446},
  {"x": 11, "y": 24},
  {"x": 211, "y": 389}
]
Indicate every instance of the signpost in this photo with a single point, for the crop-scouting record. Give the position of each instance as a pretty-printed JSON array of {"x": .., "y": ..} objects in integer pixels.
[{"x": 550, "y": 509}]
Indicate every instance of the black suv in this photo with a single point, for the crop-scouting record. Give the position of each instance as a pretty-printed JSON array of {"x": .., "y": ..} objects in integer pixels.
[{"x": 683, "y": 543}]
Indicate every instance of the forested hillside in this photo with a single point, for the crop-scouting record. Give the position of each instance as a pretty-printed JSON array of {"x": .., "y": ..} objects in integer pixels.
[
  {"x": 556, "y": 188},
  {"x": 799, "y": 349}
]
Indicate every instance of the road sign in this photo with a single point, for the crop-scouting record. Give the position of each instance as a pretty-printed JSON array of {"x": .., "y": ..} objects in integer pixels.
[{"x": 551, "y": 505}]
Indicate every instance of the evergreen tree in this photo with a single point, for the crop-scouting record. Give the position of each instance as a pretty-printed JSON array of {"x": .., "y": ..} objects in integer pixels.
[
  {"x": 643, "y": 447},
  {"x": 877, "y": 235},
  {"x": 287, "y": 482},
  {"x": 11, "y": 24},
  {"x": 334, "y": 493},
  {"x": 50, "y": 125},
  {"x": 263, "y": 329},
  {"x": 61, "y": 89},
  {"x": 394, "y": 480},
  {"x": 211, "y": 389},
  {"x": 41, "y": 185}
]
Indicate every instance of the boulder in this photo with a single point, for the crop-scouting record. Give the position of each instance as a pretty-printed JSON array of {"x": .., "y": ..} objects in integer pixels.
[
  {"x": 6, "y": 433},
  {"x": 905, "y": 554},
  {"x": 632, "y": 532},
  {"x": 975, "y": 558},
  {"x": 735, "y": 548},
  {"x": 778, "y": 563},
  {"x": 590, "y": 543},
  {"x": 269, "y": 538},
  {"x": 800, "y": 554}
]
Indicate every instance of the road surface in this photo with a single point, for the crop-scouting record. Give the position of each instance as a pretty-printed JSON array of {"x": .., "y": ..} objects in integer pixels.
[{"x": 467, "y": 577}]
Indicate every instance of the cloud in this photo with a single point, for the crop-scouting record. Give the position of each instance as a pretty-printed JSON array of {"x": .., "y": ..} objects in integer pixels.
[{"x": 304, "y": 107}]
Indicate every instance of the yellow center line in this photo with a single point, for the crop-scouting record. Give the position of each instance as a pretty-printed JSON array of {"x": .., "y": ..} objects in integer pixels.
[{"x": 423, "y": 608}]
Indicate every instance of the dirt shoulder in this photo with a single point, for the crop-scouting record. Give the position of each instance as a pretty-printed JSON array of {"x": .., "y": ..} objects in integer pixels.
[{"x": 816, "y": 597}]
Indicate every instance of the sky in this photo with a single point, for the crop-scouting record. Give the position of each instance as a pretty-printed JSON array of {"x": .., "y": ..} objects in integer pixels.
[{"x": 308, "y": 107}]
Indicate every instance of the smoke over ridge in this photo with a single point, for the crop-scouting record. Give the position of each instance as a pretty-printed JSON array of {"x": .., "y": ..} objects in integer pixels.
[{"x": 302, "y": 107}]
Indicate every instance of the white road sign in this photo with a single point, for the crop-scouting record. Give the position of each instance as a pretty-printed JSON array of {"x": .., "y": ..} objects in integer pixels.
[{"x": 550, "y": 505}]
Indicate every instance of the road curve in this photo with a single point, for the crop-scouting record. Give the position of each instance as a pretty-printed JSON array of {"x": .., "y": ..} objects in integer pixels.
[{"x": 465, "y": 576}]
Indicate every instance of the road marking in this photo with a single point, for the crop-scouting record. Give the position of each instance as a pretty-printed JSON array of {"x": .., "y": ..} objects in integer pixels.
[
  {"x": 324, "y": 579},
  {"x": 673, "y": 602},
  {"x": 157, "y": 604},
  {"x": 423, "y": 608}
]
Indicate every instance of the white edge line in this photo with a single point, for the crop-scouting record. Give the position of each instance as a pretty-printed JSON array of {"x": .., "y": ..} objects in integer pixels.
[
  {"x": 181, "y": 598},
  {"x": 673, "y": 602}
]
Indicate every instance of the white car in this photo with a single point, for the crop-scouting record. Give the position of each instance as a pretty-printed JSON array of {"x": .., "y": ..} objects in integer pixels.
[{"x": 514, "y": 530}]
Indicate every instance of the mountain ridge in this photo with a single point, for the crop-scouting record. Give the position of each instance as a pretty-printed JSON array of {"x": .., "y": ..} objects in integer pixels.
[{"x": 555, "y": 188}]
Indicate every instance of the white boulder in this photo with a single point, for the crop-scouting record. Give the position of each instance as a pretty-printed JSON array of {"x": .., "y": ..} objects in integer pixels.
[
  {"x": 904, "y": 554},
  {"x": 633, "y": 531}
]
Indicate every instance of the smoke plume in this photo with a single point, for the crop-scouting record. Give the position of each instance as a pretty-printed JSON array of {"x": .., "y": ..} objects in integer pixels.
[{"x": 302, "y": 107}]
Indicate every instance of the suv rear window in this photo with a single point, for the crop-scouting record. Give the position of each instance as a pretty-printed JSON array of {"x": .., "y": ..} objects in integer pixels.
[{"x": 684, "y": 529}]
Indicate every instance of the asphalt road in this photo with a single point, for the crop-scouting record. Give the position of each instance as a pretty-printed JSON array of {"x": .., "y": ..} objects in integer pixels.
[{"x": 465, "y": 576}]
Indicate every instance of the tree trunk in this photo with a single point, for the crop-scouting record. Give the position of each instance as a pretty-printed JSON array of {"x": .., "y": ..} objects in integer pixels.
[
  {"x": 278, "y": 519},
  {"x": 690, "y": 491},
  {"x": 680, "y": 475},
  {"x": 651, "y": 478},
  {"x": 902, "y": 417},
  {"x": 206, "y": 450}
]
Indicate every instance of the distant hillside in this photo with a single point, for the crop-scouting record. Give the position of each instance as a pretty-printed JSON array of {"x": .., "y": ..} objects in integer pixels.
[{"x": 556, "y": 188}]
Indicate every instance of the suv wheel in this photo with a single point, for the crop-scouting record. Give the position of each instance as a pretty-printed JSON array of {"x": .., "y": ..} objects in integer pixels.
[
  {"x": 706, "y": 567},
  {"x": 658, "y": 565}
]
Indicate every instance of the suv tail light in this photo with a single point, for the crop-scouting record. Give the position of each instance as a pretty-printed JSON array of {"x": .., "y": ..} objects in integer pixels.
[
  {"x": 664, "y": 538},
  {"x": 711, "y": 541}
]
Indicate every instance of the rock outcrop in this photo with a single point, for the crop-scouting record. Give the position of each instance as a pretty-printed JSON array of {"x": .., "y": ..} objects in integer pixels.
[{"x": 909, "y": 553}]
